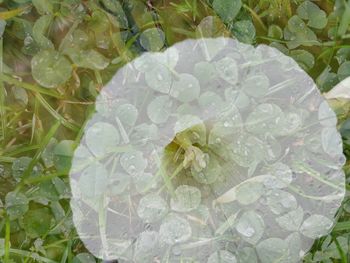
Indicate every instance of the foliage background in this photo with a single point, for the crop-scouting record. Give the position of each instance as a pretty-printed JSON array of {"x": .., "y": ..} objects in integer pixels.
[{"x": 42, "y": 119}]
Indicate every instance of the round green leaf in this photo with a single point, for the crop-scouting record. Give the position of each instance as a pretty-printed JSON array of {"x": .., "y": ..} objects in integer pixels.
[
  {"x": 273, "y": 250},
  {"x": 185, "y": 89},
  {"x": 159, "y": 109},
  {"x": 37, "y": 222},
  {"x": 16, "y": 205},
  {"x": 244, "y": 31},
  {"x": 175, "y": 229},
  {"x": 63, "y": 153},
  {"x": 210, "y": 173},
  {"x": 84, "y": 258},
  {"x": 152, "y": 208},
  {"x": 227, "y": 10},
  {"x": 133, "y": 162},
  {"x": 186, "y": 199},
  {"x": 152, "y": 39},
  {"x": 251, "y": 227},
  {"x": 222, "y": 256},
  {"x": 316, "y": 226},
  {"x": 101, "y": 138},
  {"x": 127, "y": 114},
  {"x": 50, "y": 68},
  {"x": 159, "y": 78}
]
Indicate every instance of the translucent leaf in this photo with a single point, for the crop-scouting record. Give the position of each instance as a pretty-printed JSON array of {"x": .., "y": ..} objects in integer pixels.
[
  {"x": 222, "y": 256},
  {"x": 186, "y": 199},
  {"x": 281, "y": 176},
  {"x": 251, "y": 227},
  {"x": 281, "y": 202},
  {"x": 43, "y": 6},
  {"x": 99, "y": 21},
  {"x": 20, "y": 95},
  {"x": 90, "y": 59},
  {"x": 273, "y": 250},
  {"x": 185, "y": 89},
  {"x": 101, "y": 138},
  {"x": 331, "y": 141},
  {"x": 21, "y": 164},
  {"x": 133, "y": 162},
  {"x": 152, "y": 208},
  {"x": 316, "y": 226},
  {"x": 127, "y": 114},
  {"x": 247, "y": 255},
  {"x": 117, "y": 9},
  {"x": 292, "y": 220},
  {"x": 159, "y": 78},
  {"x": 228, "y": 70},
  {"x": 152, "y": 39},
  {"x": 48, "y": 154},
  {"x": 256, "y": 86},
  {"x": 204, "y": 72},
  {"x": 175, "y": 229},
  {"x": 84, "y": 258},
  {"x": 40, "y": 29},
  {"x": 63, "y": 153},
  {"x": 210, "y": 173},
  {"x": 16, "y": 205},
  {"x": 265, "y": 118},
  {"x": 93, "y": 181},
  {"x": 50, "y": 68},
  {"x": 146, "y": 246},
  {"x": 249, "y": 192},
  {"x": 159, "y": 109},
  {"x": 227, "y": 10},
  {"x": 326, "y": 115}
]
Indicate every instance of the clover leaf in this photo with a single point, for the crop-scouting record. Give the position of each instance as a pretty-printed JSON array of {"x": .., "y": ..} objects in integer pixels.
[
  {"x": 50, "y": 69},
  {"x": 227, "y": 10}
]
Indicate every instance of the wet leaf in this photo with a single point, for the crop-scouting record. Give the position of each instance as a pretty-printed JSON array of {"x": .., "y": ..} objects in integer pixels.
[
  {"x": 272, "y": 250},
  {"x": 175, "y": 229},
  {"x": 159, "y": 109},
  {"x": 251, "y": 227},
  {"x": 186, "y": 199},
  {"x": 90, "y": 59},
  {"x": 84, "y": 258},
  {"x": 50, "y": 68},
  {"x": 16, "y": 205},
  {"x": 186, "y": 89},
  {"x": 227, "y": 10},
  {"x": 133, "y": 162},
  {"x": 222, "y": 256},
  {"x": 316, "y": 226},
  {"x": 244, "y": 31},
  {"x": 40, "y": 29},
  {"x": 310, "y": 11},
  {"x": 43, "y": 6},
  {"x": 152, "y": 39},
  {"x": 63, "y": 153},
  {"x": 152, "y": 208},
  {"x": 101, "y": 138},
  {"x": 37, "y": 222}
]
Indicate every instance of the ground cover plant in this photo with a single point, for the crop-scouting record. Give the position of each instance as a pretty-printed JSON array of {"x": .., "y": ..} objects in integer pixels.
[{"x": 57, "y": 55}]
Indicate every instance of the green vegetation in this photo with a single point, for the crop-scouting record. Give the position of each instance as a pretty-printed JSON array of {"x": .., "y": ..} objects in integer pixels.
[{"x": 57, "y": 55}]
